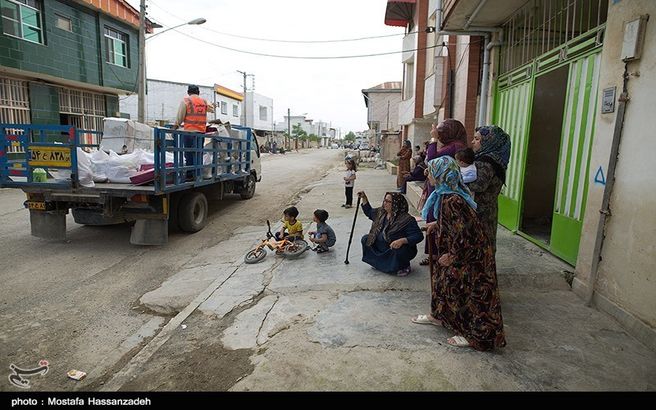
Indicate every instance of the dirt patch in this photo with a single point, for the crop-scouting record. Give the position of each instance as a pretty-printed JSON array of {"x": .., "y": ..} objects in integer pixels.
[{"x": 194, "y": 361}]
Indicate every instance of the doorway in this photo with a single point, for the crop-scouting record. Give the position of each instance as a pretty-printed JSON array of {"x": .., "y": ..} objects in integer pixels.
[{"x": 541, "y": 170}]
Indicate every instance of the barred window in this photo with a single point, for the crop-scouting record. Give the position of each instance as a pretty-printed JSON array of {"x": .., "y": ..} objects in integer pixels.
[
  {"x": 542, "y": 25},
  {"x": 84, "y": 110},
  {"x": 14, "y": 105},
  {"x": 224, "y": 108},
  {"x": 235, "y": 110},
  {"x": 263, "y": 113}
]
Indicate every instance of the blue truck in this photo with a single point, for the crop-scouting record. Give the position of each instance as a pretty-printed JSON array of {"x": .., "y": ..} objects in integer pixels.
[{"x": 176, "y": 198}]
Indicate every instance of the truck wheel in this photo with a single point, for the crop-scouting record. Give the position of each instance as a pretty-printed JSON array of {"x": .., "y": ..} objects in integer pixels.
[
  {"x": 248, "y": 191},
  {"x": 192, "y": 212}
]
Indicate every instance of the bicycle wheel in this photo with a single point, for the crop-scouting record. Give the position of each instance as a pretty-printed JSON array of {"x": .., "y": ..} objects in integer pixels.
[
  {"x": 295, "y": 248},
  {"x": 255, "y": 256}
]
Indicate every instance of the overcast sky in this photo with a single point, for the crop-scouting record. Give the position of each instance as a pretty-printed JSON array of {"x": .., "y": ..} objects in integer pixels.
[{"x": 327, "y": 90}]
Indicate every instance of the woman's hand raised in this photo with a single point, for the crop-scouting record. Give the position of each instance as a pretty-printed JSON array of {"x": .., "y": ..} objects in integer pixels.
[{"x": 363, "y": 196}]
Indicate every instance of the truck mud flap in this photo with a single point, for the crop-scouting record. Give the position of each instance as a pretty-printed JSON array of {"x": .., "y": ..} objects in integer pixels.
[
  {"x": 150, "y": 232},
  {"x": 49, "y": 225}
]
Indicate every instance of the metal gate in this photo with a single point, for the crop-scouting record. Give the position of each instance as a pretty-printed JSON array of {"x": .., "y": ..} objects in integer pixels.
[
  {"x": 574, "y": 157},
  {"x": 513, "y": 114}
]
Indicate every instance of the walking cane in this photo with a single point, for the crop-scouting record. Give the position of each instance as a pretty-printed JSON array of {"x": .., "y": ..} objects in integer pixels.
[{"x": 357, "y": 208}]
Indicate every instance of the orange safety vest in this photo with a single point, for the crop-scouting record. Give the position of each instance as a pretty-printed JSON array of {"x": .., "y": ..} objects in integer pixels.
[{"x": 196, "y": 116}]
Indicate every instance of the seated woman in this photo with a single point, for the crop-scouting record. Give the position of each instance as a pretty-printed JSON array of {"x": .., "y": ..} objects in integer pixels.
[
  {"x": 464, "y": 292},
  {"x": 417, "y": 173},
  {"x": 394, "y": 235}
]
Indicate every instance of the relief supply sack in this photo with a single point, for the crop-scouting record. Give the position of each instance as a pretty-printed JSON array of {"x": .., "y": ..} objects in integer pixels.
[{"x": 85, "y": 175}]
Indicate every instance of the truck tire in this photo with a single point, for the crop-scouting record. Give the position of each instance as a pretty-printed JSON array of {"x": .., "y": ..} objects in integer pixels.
[
  {"x": 248, "y": 190},
  {"x": 92, "y": 217},
  {"x": 192, "y": 212}
]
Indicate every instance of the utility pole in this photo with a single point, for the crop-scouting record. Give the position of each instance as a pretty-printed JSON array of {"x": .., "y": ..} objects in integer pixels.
[
  {"x": 141, "y": 80},
  {"x": 244, "y": 108},
  {"x": 289, "y": 124}
]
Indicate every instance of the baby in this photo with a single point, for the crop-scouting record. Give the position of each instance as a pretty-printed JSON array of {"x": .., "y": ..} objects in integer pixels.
[{"x": 465, "y": 159}]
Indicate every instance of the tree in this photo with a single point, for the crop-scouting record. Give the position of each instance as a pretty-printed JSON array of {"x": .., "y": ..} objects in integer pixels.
[
  {"x": 299, "y": 132},
  {"x": 313, "y": 138},
  {"x": 350, "y": 137}
]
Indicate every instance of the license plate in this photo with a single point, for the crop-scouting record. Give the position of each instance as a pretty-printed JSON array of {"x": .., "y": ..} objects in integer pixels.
[
  {"x": 41, "y": 206},
  {"x": 50, "y": 156}
]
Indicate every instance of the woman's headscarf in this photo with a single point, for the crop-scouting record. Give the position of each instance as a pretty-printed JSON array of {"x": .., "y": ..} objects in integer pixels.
[
  {"x": 398, "y": 222},
  {"x": 446, "y": 172},
  {"x": 495, "y": 149},
  {"x": 451, "y": 130}
]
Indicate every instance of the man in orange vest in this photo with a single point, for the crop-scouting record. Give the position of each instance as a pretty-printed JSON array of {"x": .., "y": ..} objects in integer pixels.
[{"x": 192, "y": 114}]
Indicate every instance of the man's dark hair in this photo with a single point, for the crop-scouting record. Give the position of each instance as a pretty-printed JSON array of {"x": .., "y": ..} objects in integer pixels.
[
  {"x": 193, "y": 89},
  {"x": 321, "y": 214},
  {"x": 465, "y": 155},
  {"x": 291, "y": 211}
]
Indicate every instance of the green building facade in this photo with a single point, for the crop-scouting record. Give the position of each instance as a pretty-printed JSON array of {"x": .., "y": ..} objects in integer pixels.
[{"x": 63, "y": 62}]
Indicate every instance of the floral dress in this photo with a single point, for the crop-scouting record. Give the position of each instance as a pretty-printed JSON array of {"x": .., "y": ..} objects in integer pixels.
[{"x": 464, "y": 295}]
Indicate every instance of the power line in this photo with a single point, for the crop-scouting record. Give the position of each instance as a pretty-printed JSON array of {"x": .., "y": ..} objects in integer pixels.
[
  {"x": 304, "y": 57},
  {"x": 272, "y": 40}
]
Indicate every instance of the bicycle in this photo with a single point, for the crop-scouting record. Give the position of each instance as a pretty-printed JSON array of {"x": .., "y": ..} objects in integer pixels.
[{"x": 284, "y": 247}]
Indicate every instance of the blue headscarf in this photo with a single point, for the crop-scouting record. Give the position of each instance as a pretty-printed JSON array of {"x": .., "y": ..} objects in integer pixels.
[
  {"x": 495, "y": 144},
  {"x": 446, "y": 172}
]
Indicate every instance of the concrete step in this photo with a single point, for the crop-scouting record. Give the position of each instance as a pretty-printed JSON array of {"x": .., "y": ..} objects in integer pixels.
[
  {"x": 413, "y": 193},
  {"x": 391, "y": 168}
]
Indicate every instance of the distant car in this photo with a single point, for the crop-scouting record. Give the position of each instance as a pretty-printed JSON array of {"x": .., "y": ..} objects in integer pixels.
[
  {"x": 364, "y": 146},
  {"x": 334, "y": 146}
]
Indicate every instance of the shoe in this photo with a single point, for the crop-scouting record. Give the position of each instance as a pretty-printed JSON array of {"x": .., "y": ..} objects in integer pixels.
[
  {"x": 343, "y": 205},
  {"x": 404, "y": 272},
  {"x": 321, "y": 250},
  {"x": 348, "y": 206}
]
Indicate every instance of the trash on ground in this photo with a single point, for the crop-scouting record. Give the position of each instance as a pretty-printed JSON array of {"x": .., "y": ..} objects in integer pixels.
[{"x": 76, "y": 374}]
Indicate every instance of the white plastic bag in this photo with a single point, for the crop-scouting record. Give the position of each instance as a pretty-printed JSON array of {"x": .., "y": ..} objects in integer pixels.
[
  {"x": 85, "y": 175},
  {"x": 99, "y": 161}
]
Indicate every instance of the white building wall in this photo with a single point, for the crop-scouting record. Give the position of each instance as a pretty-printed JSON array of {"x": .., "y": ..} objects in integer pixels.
[
  {"x": 627, "y": 274},
  {"x": 162, "y": 100},
  {"x": 254, "y": 120},
  {"x": 378, "y": 109}
]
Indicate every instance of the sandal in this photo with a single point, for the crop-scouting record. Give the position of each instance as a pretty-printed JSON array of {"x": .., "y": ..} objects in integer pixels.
[
  {"x": 425, "y": 262},
  {"x": 425, "y": 320},
  {"x": 458, "y": 341},
  {"x": 404, "y": 272},
  {"x": 319, "y": 250}
]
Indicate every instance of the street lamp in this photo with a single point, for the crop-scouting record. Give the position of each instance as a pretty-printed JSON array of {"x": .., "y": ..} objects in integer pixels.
[
  {"x": 141, "y": 80},
  {"x": 193, "y": 22}
]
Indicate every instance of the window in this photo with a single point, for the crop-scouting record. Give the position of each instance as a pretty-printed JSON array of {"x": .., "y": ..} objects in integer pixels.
[
  {"x": 22, "y": 19},
  {"x": 63, "y": 23},
  {"x": 409, "y": 83},
  {"x": 14, "y": 106},
  {"x": 224, "y": 108},
  {"x": 116, "y": 45},
  {"x": 235, "y": 110},
  {"x": 83, "y": 110},
  {"x": 263, "y": 113}
]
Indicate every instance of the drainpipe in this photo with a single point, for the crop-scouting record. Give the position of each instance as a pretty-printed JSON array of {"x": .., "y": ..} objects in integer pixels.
[
  {"x": 485, "y": 82},
  {"x": 604, "y": 212},
  {"x": 474, "y": 14}
]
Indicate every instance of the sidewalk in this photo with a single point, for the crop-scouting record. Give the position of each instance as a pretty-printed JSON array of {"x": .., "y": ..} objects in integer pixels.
[{"x": 317, "y": 324}]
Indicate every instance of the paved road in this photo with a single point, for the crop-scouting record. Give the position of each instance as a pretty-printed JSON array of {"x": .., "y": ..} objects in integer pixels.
[{"x": 74, "y": 303}]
